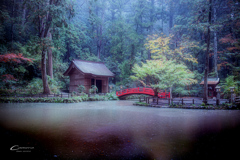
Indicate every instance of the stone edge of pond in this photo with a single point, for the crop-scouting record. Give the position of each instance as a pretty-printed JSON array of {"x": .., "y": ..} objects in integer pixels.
[{"x": 190, "y": 107}]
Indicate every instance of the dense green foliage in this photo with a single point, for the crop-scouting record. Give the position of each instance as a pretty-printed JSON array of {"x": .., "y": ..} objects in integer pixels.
[
  {"x": 72, "y": 99},
  {"x": 122, "y": 34}
]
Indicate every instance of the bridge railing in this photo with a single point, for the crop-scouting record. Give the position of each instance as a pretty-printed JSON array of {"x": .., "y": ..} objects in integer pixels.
[{"x": 138, "y": 90}]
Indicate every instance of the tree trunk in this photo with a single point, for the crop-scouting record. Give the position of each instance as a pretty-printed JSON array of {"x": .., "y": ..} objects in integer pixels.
[
  {"x": 155, "y": 92},
  {"x": 152, "y": 10},
  {"x": 49, "y": 52},
  {"x": 99, "y": 31},
  {"x": 215, "y": 41},
  {"x": 44, "y": 29},
  {"x": 170, "y": 92},
  {"x": 12, "y": 24},
  {"x": 132, "y": 56},
  {"x": 205, "y": 96},
  {"x": 46, "y": 89},
  {"x": 23, "y": 15},
  {"x": 171, "y": 14},
  {"x": 162, "y": 15}
]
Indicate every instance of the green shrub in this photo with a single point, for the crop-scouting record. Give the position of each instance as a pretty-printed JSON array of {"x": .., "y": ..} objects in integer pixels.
[
  {"x": 142, "y": 104},
  {"x": 229, "y": 82},
  {"x": 93, "y": 89},
  {"x": 112, "y": 96},
  {"x": 84, "y": 97},
  {"x": 53, "y": 85},
  {"x": 81, "y": 88},
  {"x": 35, "y": 86}
]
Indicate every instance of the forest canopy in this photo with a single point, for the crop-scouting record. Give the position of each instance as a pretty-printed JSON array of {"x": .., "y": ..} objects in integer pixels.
[{"x": 49, "y": 34}]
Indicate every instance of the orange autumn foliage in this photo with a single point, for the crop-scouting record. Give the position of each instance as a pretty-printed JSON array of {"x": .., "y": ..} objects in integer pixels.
[
  {"x": 8, "y": 77},
  {"x": 12, "y": 57},
  {"x": 228, "y": 39}
]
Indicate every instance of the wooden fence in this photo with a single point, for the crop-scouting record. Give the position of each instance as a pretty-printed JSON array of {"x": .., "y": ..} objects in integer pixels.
[
  {"x": 61, "y": 95},
  {"x": 178, "y": 101}
]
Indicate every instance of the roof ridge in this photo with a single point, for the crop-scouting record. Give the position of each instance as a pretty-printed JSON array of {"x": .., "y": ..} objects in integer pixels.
[{"x": 87, "y": 61}]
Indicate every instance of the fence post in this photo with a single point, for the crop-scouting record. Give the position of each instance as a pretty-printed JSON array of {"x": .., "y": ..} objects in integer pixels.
[
  {"x": 182, "y": 101},
  {"x": 168, "y": 101},
  {"x": 157, "y": 100},
  {"x": 61, "y": 95},
  {"x": 193, "y": 101}
]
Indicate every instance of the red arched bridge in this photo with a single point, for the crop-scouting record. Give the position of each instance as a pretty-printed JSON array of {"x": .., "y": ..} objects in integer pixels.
[{"x": 147, "y": 91}]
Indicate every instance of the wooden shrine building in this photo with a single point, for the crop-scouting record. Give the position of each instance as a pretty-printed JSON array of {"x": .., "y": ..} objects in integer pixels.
[
  {"x": 88, "y": 73},
  {"x": 212, "y": 83}
]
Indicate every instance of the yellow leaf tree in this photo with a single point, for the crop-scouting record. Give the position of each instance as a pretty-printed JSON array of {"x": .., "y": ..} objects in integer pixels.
[{"x": 165, "y": 70}]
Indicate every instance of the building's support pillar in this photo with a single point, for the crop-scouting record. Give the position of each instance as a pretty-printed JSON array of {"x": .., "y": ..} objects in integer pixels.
[
  {"x": 107, "y": 84},
  {"x": 95, "y": 85}
]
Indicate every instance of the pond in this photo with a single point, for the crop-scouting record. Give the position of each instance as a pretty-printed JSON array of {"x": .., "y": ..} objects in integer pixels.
[{"x": 117, "y": 130}]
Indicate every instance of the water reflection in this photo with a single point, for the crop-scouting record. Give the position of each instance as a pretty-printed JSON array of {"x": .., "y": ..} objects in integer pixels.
[{"x": 118, "y": 130}]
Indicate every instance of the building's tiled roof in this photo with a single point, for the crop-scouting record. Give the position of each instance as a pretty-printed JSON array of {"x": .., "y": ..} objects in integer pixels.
[
  {"x": 211, "y": 81},
  {"x": 89, "y": 67}
]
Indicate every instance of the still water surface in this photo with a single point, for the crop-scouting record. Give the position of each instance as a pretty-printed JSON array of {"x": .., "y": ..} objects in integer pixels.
[{"x": 118, "y": 130}]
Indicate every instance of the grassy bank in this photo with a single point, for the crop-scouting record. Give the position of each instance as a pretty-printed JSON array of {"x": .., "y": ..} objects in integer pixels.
[
  {"x": 224, "y": 106},
  {"x": 75, "y": 99}
]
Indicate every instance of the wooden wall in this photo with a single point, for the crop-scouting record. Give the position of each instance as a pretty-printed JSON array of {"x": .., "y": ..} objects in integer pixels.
[{"x": 76, "y": 78}]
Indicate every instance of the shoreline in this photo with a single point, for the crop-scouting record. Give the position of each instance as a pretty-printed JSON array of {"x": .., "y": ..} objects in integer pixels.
[
  {"x": 225, "y": 106},
  {"x": 53, "y": 100}
]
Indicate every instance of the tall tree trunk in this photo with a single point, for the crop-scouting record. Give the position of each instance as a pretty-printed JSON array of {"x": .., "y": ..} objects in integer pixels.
[
  {"x": 215, "y": 40},
  {"x": 100, "y": 30},
  {"x": 23, "y": 15},
  {"x": 162, "y": 15},
  {"x": 46, "y": 89},
  {"x": 49, "y": 52},
  {"x": 44, "y": 29},
  {"x": 171, "y": 14},
  {"x": 132, "y": 56},
  {"x": 205, "y": 96},
  {"x": 68, "y": 54},
  {"x": 12, "y": 23},
  {"x": 152, "y": 10},
  {"x": 170, "y": 92}
]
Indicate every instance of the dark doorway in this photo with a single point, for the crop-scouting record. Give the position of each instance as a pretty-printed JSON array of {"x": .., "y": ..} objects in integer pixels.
[
  {"x": 99, "y": 85},
  {"x": 92, "y": 82}
]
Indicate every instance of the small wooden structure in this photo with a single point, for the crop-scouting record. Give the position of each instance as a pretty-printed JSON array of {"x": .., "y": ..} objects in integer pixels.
[
  {"x": 88, "y": 73},
  {"x": 212, "y": 83}
]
